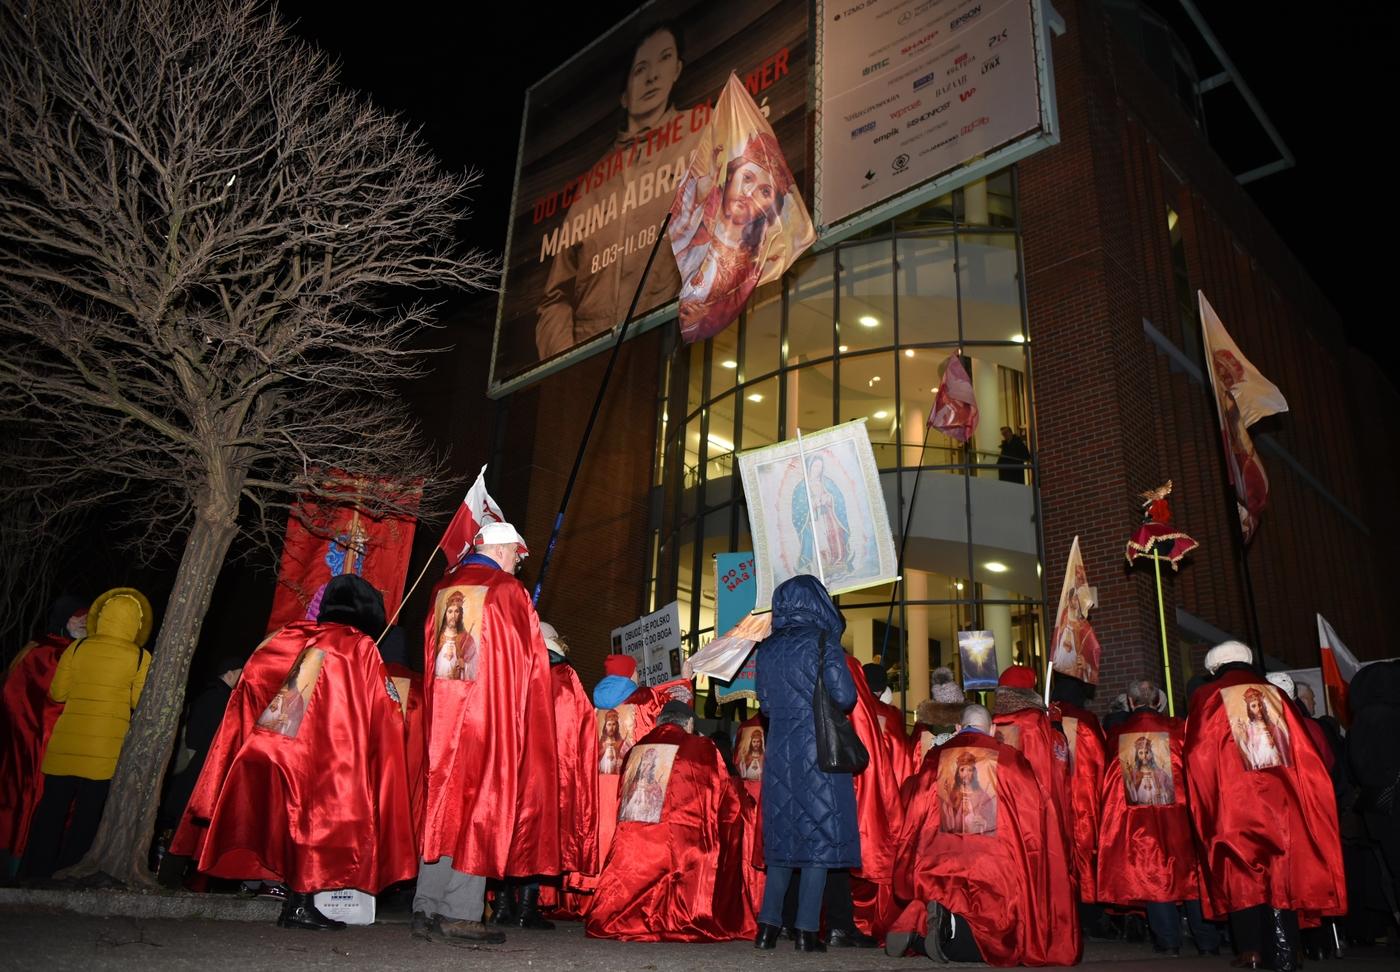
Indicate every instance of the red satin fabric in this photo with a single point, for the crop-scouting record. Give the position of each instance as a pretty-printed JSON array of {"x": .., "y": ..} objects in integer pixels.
[
  {"x": 1146, "y": 852},
  {"x": 1046, "y": 749},
  {"x": 327, "y": 807},
  {"x": 900, "y": 745},
  {"x": 577, "y": 742},
  {"x": 409, "y": 685},
  {"x": 1011, "y": 886},
  {"x": 26, "y": 722},
  {"x": 262, "y": 676},
  {"x": 1086, "y": 761},
  {"x": 680, "y": 879},
  {"x": 493, "y": 773},
  {"x": 1266, "y": 836},
  {"x": 879, "y": 812}
]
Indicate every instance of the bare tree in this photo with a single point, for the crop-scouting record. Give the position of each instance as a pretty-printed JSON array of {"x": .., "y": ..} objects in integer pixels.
[{"x": 208, "y": 250}]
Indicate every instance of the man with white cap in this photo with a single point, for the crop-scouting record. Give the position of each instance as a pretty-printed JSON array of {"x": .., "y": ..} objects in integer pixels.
[
  {"x": 1262, "y": 811},
  {"x": 493, "y": 778}
]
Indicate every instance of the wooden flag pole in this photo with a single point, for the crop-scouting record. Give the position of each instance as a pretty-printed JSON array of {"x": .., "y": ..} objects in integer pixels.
[
  {"x": 597, "y": 407},
  {"x": 1162, "y": 620}
]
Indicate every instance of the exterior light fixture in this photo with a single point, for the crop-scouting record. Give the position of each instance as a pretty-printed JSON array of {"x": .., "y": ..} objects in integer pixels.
[{"x": 996, "y": 567}]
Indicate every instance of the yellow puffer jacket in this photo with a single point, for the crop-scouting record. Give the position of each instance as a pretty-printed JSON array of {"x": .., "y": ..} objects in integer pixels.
[{"x": 100, "y": 678}]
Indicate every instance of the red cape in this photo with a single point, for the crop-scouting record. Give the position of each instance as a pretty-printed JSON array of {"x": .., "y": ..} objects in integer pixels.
[
  {"x": 897, "y": 740},
  {"x": 409, "y": 685},
  {"x": 27, "y": 717},
  {"x": 578, "y": 772},
  {"x": 1146, "y": 851},
  {"x": 674, "y": 871},
  {"x": 262, "y": 676},
  {"x": 493, "y": 774},
  {"x": 322, "y": 804},
  {"x": 1086, "y": 758},
  {"x": 879, "y": 811},
  {"x": 1011, "y": 887},
  {"x": 1268, "y": 835},
  {"x": 751, "y": 779}
]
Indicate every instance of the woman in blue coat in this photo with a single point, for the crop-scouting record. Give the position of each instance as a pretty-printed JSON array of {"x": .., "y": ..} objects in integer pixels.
[{"x": 809, "y": 816}]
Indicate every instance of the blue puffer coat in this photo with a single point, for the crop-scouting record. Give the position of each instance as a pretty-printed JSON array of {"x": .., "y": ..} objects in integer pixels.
[{"x": 809, "y": 817}]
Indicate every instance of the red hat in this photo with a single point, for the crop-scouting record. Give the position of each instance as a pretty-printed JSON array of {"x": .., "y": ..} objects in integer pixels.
[
  {"x": 1018, "y": 677},
  {"x": 624, "y": 665}
]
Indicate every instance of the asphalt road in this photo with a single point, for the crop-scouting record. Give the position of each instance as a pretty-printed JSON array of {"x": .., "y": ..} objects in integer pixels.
[{"x": 48, "y": 941}]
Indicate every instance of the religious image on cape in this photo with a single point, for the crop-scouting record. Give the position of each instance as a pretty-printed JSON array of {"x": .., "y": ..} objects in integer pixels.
[
  {"x": 1258, "y": 724},
  {"x": 284, "y": 713},
  {"x": 967, "y": 792},
  {"x": 752, "y": 744},
  {"x": 615, "y": 739},
  {"x": 1146, "y": 761},
  {"x": 456, "y": 633},
  {"x": 643, "y": 790}
]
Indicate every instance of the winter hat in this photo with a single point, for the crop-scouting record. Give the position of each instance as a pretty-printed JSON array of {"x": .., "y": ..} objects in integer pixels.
[
  {"x": 876, "y": 677},
  {"x": 624, "y": 666},
  {"x": 554, "y": 643},
  {"x": 1017, "y": 677},
  {"x": 1227, "y": 652},
  {"x": 1284, "y": 681},
  {"x": 945, "y": 687},
  {"x": 350, "y": 599},
  {"x": 62, "y": 611},
  {"x": 493, "y": 533}
]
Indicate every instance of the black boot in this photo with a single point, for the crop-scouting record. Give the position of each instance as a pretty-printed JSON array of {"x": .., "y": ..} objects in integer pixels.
[
  {"x": 767, "y": 937},
  {"x": 1281, "y": 950},
  {"x": 809, "y": 941},
  {"x": 299, "y": 911},
  {"x": 505, "y": 910},
  {"x": 530, "y": 909}
]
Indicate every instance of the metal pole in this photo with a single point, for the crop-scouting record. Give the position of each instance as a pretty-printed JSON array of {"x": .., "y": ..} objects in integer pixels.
[
  {"x": 593, "y": 416},
  {"x": 1162, "y": 620},
  {"x": 899, "y": 565}
]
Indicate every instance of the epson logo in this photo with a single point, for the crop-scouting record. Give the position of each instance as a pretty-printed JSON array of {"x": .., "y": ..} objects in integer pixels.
[
  {"x": 963, "y": 18},
  {"x": 888, "y": 135},
  {"x": 927, "y": 115},
  {"x": 926, "y": 79},
  {"x": 858, "y": 132}
]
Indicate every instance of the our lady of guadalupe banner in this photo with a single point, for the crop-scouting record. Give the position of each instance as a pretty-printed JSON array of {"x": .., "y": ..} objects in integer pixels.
[
  {"x": 326, "y": 539},
  {"x": 816, "y": 507}
]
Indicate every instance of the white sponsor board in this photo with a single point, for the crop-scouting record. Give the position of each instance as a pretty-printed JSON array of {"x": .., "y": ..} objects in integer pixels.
[
  {"x": 913, "y": 90},
  {"x": 654, "y": 641}
]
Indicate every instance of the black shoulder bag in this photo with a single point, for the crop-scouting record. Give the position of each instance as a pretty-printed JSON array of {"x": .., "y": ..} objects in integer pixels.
[{"x": 839, "y": 749}]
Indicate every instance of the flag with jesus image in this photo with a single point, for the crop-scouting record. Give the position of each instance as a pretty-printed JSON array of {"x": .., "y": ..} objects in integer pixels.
[
  {"x": 1243, "y": 396},
  {"x": 955, "y": 406},
  {"x": 1074, "y": 647},
  {"x": 738, "y": 220},
  {"x": 477, "y": 510}
]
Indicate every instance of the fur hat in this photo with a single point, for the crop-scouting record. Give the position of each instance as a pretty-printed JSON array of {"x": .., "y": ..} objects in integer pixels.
[
  {"x": 1227, "y": 652},
  {"x": 946, "y": 688},
  {"x": 936, "y": 714}
]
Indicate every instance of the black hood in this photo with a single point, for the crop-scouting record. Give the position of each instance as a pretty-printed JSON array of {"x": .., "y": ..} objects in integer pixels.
[
  {"x": 352, "y": 600},
  {"x": 60, "y": 611}
]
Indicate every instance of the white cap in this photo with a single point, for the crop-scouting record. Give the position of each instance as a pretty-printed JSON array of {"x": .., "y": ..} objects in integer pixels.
[
  {"x": 1226, "y": 652},
  {"x": 1284, "y": 681},
  {"x": 494, "y": 533},
  {"x": 551, "y": 639}
]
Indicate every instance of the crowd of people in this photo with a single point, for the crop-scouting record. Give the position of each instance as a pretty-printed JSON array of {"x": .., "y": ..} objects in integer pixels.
[{"x": 489, "y": 778}]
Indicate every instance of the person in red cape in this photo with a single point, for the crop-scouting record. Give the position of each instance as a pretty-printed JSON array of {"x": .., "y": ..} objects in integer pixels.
[
  {"x": 493, "y": 772},
  {"x": 320, "y": 801},
  {"x": 577, "y": 746},
  {"x": 972, "y": 856},
  {"x": 891, "y": 720},
  {"x": 1263, "y": 812},
  {"x": 936, "y": 717},
  {"x": 1085, "y": 739},
  {"x": 674, "y": 871},
  {"x": 27, "y": 719},
  {"x": 750, "y": 749},
  {"x": 1146, "y": 853},
  {"x": 408, "y": 683}
]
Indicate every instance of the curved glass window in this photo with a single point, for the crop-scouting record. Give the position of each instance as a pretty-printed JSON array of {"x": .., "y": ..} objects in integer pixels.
[{"x": 864, "y": 330}]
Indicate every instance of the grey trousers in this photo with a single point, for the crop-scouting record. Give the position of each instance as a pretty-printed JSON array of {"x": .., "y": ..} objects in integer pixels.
[{"x": 451, "y": 894}]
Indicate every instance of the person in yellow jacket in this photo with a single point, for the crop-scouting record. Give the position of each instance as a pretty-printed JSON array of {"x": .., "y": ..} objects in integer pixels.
[{"x": 99, "y": 678}]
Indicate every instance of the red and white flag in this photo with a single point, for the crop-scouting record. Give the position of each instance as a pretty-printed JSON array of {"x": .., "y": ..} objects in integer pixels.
[
  {"x": 1074, "y": 648},
  {"x": 1339, "y": 666},
  {"x": 1242, "y": 397},
  {"x": 738, "y": 220},
  {"x": 955, "y": 406},
  {"x": 477, "y": 510}
]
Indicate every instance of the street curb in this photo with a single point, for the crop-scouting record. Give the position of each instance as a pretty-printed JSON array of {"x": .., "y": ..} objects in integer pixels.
[{"x": 133, "y": 904}]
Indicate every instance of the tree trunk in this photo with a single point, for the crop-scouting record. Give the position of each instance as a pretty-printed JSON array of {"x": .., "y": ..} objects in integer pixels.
[{"x": 124, "y": 838}]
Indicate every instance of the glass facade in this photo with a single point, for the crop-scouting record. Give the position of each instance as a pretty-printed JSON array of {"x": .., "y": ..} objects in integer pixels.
[{"x": 864, "y": 330}]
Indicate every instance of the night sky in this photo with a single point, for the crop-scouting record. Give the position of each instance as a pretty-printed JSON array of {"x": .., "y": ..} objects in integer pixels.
[{"x": 1322, "y": 73}]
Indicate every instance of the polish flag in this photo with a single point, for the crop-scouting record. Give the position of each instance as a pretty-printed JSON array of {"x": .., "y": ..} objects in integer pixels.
[
  {"x": 955, "y": 406},
  {"x": 477, "y": 510},
  {"x": 1339, "y": 666}
]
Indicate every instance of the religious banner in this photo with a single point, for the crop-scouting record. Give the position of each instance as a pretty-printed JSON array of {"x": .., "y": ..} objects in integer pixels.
[
  {"x": 1243, "y": 396},
  {"x": 978, "y": 653},
  {"x": 954, "y": 406},
  {"x": 816, "y": 507},
  {"x": 738, "y": 220},
  {"x": 654, "y": 641},
  {"x": 326, "y": 539},
  {"x": 1074, "y": 647},
  {"x": 735, "y": 590}
]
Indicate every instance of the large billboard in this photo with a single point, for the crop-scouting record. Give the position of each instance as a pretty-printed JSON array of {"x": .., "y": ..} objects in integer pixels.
[
  {"x": 911, "y": 90},
  {"x": 605, "y": 138}
]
